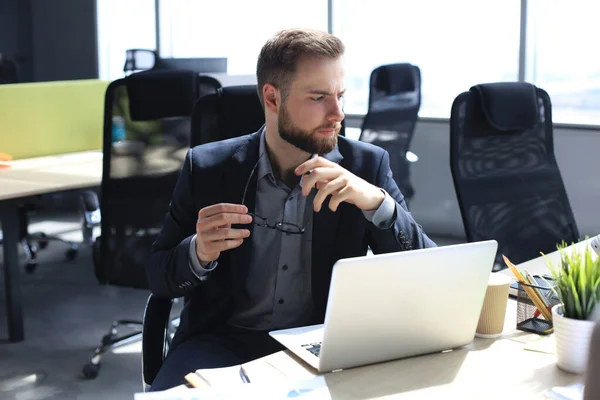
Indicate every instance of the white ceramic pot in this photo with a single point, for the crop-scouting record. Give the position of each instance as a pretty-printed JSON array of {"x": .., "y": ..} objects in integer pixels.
[{"x": 572, "y": 338}]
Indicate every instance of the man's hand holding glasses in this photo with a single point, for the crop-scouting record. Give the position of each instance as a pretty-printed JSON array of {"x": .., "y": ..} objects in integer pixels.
[{"x": 214, "y": 233}]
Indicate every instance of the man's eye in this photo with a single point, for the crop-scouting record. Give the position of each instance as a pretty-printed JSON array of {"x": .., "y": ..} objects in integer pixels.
[{"x": 318, "y": 98}]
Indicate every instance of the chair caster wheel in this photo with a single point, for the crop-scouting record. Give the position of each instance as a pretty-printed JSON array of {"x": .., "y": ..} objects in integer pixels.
[
  {"x": 107, "y": 339},
  {"x": 71, "y": 254},
  {"x": 91, "y": 370},
  {"x": 30, "y": 267}
]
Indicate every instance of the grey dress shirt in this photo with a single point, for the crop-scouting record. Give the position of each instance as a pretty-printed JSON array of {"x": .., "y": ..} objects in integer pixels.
[{"x": 277, "y": 293}]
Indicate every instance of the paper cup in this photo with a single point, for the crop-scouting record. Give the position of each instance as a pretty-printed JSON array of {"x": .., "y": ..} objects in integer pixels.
[{"x": 493, "y": 312}]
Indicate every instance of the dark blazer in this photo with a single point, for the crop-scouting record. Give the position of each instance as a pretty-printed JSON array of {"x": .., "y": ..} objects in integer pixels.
[{"x": 217, "y": 173}]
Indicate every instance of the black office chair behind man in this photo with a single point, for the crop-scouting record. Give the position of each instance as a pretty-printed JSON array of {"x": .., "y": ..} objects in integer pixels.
[
  {"x": 140, "y": 170},
  {"x": 507, "y": 181},
  {"x": 231, "y": 112},
  {"x": 394, "y": 102}
]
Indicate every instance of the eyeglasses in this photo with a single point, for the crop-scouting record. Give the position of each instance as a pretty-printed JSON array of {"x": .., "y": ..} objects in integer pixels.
[{"x": 285, "y": 227}]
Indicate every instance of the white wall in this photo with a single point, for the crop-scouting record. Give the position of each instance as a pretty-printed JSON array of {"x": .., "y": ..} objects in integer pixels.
[{"x": 435, "y": 206}]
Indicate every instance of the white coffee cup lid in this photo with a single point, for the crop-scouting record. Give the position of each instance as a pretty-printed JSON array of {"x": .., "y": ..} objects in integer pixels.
[{"x": 497, "y": 279}]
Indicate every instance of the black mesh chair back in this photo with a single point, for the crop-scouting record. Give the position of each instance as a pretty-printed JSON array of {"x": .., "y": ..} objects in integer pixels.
[
  {"x": 230, "y": 112},
  {"x": 146, "y": 136},
  {"x": 506, "y": 178},
  {"x": 394, "y": 102}
]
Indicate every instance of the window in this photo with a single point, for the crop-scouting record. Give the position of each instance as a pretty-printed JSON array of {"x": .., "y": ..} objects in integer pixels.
[
  {"x": 456, "y": 44},
  {"x": 123, "y": 25},
  {"x": 231, "y": 28},
  {"x": 562, "y": 58}
]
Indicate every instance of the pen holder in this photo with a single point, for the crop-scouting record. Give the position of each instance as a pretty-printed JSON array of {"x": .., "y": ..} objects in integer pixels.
[{"x": 527, "y": 318}]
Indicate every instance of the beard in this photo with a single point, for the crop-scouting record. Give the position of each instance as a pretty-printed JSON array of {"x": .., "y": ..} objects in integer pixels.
[{"x": 310, "y": 142}]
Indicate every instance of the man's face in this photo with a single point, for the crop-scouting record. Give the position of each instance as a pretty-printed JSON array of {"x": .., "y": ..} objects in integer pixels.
[{"x": 311, "y": 115}]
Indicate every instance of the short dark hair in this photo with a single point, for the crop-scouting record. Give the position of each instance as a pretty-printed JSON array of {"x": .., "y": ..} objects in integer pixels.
[{"x": 279, "y": 56}]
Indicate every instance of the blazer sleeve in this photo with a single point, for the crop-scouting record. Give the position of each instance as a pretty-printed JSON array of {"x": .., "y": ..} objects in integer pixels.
[
  {"x": 405, "y": 233},
  {"x": 168, "y": 270}
]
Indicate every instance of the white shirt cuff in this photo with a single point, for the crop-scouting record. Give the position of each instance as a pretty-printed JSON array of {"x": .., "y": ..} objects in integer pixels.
[
  {"x": 194, "y": 262},
  {"x": 383, "y": 217}
]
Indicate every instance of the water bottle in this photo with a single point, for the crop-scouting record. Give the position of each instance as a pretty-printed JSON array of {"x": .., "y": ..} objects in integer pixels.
[{"x": 118, "y": 128}]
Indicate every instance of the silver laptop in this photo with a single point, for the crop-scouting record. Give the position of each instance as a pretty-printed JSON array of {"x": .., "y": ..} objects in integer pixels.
[{"x": 397, "y": 305}]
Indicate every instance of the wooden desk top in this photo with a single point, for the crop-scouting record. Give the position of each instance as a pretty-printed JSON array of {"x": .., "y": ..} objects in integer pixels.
[
  {"x": 33, "y": 176},
  {"x": 485, "y": 369}
]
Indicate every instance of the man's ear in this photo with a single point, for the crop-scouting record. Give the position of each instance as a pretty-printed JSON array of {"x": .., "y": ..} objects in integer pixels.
[{"x": 271, "y": 97}]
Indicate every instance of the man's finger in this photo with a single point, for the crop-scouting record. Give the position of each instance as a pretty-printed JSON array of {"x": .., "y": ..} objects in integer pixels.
[
  {"x": 319, "y": 174},
  {"x": 312, "y": 164},
  {"x": 326, "y": 190},
  {"x": 338, "y": 198},
  {"x": 221, "y": 219},
  {"x": 222, "y": 234},
  {"x": 222, "y": 208},
  {"x": 222, "y": 245}
]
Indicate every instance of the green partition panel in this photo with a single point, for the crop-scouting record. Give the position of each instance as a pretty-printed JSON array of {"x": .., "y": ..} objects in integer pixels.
[{"x": 39, "y": 119}]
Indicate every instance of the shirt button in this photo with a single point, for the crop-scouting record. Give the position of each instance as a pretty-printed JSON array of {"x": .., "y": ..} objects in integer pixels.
[
  {"x": 285, "y": 267},
  {"x": 280, "y": 301}
]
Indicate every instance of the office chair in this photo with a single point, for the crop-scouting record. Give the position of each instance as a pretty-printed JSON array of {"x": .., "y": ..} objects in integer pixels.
[
  {"x": 232, "y": 111},
  {"x": 505, "y": 174},
  {"x": 35, "y": 241},
  {"x": 394, "y": 102},
  {"x": 138, "y": 177},
  {"x": 137, "y": 60},
  {"x": 148, "y": 60}
]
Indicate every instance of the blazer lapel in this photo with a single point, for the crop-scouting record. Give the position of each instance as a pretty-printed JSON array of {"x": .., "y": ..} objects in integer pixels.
[
  {"x": 325, "y": 224},
  {"x": 234, "y": 182}
]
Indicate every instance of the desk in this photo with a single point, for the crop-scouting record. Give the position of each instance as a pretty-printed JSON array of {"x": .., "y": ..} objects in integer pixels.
[
  {"x": 31, "y": 177},
  {"x": 485, "y": 369}
]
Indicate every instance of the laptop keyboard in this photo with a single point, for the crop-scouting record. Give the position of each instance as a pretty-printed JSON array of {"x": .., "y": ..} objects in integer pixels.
[{"x": 314, "y": 348}]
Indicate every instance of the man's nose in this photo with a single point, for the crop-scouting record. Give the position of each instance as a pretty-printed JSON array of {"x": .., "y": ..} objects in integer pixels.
[{"x": 335, "y": 112}]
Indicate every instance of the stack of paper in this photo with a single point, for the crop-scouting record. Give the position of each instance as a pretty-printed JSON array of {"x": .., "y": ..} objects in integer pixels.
[
  {"x": 571, "y": 392},
  {"x": 315, "y": 388}
]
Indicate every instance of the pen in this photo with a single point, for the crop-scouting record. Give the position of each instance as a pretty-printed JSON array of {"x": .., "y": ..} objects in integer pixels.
[{"x": 243, "y": 375}]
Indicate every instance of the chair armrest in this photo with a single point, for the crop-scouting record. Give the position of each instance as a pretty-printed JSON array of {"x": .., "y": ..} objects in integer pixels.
[
  {"x": 89, "y": 201},
  {"x": 156, "y": 320}
]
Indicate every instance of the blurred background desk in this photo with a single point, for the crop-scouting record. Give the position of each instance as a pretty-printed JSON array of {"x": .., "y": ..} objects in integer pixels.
[{"x": 31, "y": 177}]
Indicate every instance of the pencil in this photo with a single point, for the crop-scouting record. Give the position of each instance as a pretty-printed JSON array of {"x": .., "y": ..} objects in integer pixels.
[
  {"x": 539, "y": 304},
  {"x": 193, "y": 379}
]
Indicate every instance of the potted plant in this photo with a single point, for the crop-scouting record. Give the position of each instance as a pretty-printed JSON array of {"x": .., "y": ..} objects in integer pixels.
[{"x": 577, "y": 285}]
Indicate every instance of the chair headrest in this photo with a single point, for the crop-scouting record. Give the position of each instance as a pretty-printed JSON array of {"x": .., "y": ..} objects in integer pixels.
[
  {"x": 161, "y": 94},
  {"x": 248, "y": 116},
  {"x": 509, "y": 106},
  {"x": 395, "y": 78},
  {"x": 231, "y": 112}
]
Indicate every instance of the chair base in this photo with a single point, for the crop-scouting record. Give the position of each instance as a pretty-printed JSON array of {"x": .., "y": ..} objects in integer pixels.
[
  {"x": 31, "y": 241},
  {"x": 110, "y": 341}
]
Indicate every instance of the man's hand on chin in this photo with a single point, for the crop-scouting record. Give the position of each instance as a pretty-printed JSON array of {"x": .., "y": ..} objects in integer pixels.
[{"x": 330, "y": 178}]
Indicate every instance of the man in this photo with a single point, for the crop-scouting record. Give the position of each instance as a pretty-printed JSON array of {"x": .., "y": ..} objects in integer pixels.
[{"x": 256, "y": 223}]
